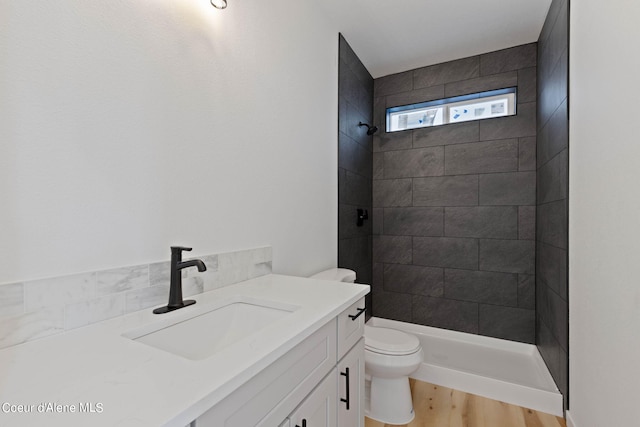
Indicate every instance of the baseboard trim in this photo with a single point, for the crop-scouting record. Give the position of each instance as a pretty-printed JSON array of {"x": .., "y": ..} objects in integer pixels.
[{"x": 570, "y": 422}]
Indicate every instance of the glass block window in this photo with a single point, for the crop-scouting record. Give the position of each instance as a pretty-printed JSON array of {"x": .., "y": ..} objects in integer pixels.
[{"x": 476, "y": 106}]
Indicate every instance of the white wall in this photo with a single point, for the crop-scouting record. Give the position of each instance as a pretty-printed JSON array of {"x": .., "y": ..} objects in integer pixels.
[
  {"x": 604, "y": 216},
  {"x": 129, "y": 126}
]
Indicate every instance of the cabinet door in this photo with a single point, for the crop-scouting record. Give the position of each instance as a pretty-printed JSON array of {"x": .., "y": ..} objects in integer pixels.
[
  {"x": 319, "y": 408},
  {"x": 351, "y": 387}
]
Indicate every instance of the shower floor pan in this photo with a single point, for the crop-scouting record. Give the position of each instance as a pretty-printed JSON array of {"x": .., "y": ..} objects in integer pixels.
[{"x": 502, "y": 370}]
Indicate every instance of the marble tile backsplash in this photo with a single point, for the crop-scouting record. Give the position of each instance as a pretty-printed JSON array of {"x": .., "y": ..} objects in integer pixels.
[{"x": 40, "y": 308}]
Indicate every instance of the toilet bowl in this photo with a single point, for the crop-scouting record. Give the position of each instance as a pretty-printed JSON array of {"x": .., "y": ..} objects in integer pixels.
[{"x": 390, "y": 357}]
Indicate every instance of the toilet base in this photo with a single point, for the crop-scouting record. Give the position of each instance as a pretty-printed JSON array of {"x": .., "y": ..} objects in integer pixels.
[{"x": 388, "y": 400}]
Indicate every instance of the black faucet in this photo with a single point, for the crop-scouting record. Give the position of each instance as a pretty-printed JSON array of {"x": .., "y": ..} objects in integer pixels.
[{"x": 175, "y": 290}]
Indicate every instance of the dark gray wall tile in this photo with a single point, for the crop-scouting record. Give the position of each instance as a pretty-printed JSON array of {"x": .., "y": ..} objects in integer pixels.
[
  {"x": 392, "y": 192},
  {"x": 555, "y": 311},
  {"x": 354, "y": 189},
  {"x": 507, "y": 169},
  {"x": 394, "y": 83},
  {"x": 514, "y": 58},
  {"x": 555, "y": 357},
  {"x": 444, "y": 313},
  {"x": 481, "y": 221},
  {"x": 376, "y": 221},
  {"x": 527, "y": 291},
  {"x": 551, "y": 51},
  {"x": 342, "y": 114},
  {"x": 392, "y": 141},
  {"x": 347, "y": 224},
  {"x": 482, "y": 84},
  {"x": 392, "y": 249},
  {"x": 446, "y": 191},
  {"x": 527, "y": 85},
  {"x": 551, "y": 218},
  {"x": 522, "y": 124},
  {"x": 553, "y": 179},
  {"x": 355, "y": 104},
  {"x": 550, "y": 21},
  {"x": 527, "y": 222},
  {"x": 527, "y": 153},
  {"x": 363, "y": 274},
  {"x": 413, "y": 279},
  {"x": 379, "y": 113},
  {"x": 392, "y": 305},
  {"x": 552, "y": 268},
  {"x": 553, "y": 137},
  {"x": 548, "y": 346},
  {"x": 458, "y": 133},
  {"x": 563, "y": 377},
  {"x": 516, "y": 188},
  {"x": 446, "y": 252},
  {"x": 354, "y": 252},
  {"x": 378, "y": 165},
  {"x": 461, "y": 69},
  {"x": 415, "y": 96},
  {"x": 481, "y": 286},
  {"x": 357, "y": 133},
  {"x": 555, "y": 91},
  {"x": 353, "y": 62},
  {"x": 509, "y": 256},
  {"x": 417, "y": 162},
  {"x": 377, "y": 282},
  {"x": 482, "y": 157},
  {"x": 412, "y": 221},
  {"x": 353, "y": 156},
  {"x": 509, "y": 323},
  {"x": 357, "y": 92},
  {"x": 551, "y": 224}
]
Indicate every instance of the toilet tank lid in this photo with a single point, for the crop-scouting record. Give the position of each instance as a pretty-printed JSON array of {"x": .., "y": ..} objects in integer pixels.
[{"x": 336, "y": 274}]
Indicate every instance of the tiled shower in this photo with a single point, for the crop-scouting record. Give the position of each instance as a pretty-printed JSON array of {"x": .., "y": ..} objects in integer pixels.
[
  {"x": 454, "y": 205},
  {"x": 464, "y": 229}
]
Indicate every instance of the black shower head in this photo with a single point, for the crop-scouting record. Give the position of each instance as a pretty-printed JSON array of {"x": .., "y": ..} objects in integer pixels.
[{"x": 370, "y": 129}]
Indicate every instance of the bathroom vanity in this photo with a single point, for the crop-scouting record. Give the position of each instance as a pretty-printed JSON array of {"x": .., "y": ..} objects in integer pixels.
[
  {"x": 273, "y": 351},
  {"x": 320, "y": 382}
]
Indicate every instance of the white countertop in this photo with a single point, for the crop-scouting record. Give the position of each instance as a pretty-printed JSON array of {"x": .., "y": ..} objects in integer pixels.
[{"x": 137, "y": 385}]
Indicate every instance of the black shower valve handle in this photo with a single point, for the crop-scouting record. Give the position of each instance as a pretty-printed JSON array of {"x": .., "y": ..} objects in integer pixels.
[{"x": 362, "y": 215}]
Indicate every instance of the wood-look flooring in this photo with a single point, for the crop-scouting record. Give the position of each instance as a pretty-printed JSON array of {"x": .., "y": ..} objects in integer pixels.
[{"x": 437, "y": 406}]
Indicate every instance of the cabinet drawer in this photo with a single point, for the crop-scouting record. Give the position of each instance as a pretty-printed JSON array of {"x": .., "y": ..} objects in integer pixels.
[
  {"x": 280, "y": 387},
  {"x": 350, "y": 327}
]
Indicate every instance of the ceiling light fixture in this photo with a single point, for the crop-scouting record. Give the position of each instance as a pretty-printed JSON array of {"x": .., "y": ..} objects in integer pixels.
[{"x": 219, "y": 4}]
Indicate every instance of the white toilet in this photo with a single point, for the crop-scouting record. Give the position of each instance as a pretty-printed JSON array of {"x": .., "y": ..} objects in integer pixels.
[{"x": 390, "y": 357}]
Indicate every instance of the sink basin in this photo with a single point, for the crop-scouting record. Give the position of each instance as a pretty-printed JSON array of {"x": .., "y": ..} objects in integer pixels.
[{"x": 206, "y": 333}]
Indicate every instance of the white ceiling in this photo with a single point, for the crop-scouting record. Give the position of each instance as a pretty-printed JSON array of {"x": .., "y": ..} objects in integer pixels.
[{"x": 390, "y": 36}]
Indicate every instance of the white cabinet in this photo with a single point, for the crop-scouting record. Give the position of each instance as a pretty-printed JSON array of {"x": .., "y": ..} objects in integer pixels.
[
  {"x": 319, "y": 408},
  {"x": 350, "y": 327},
  {"x": 270, "y": 396},
  {"x": 351, "y": 387},
  {"x": 306, "y": 386}
]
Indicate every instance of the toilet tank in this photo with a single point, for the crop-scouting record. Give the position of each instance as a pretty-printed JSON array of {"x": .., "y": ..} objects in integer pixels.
[{"x": 336, "y": 274}]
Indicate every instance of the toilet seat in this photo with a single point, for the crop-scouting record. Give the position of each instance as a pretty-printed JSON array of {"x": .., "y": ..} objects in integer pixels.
[{"x": 389, "y": 341}]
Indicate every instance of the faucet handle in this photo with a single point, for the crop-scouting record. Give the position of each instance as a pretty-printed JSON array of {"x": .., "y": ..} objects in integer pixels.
[{"x": 179, "y": 249}]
